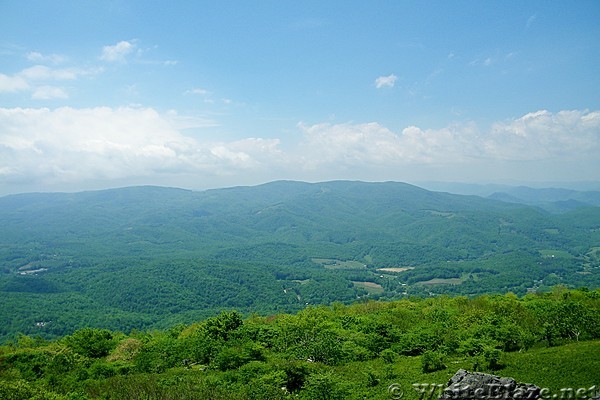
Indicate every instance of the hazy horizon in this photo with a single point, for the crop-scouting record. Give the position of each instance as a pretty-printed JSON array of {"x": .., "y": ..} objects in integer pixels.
[{"x": 466, "y": 188}]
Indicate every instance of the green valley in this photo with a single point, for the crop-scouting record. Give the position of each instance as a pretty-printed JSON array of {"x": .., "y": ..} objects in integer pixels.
[{"x": 152, "y": 257}]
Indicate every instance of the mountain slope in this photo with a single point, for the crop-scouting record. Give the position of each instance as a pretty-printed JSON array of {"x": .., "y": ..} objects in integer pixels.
[
  {"x": 151, "y": 256},
  {"x": 291, "y": 211}
]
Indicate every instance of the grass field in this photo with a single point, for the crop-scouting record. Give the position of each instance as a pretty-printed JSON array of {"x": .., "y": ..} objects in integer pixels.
[
  {"x": 370, "y": 287},
  {"x": 555, "y": 254},
  {"x": 442, "y": 281},
  {"x": 332, "y": 263},
  {"x": 398, "y": 269},
  {"x": 574, "y": 365}
]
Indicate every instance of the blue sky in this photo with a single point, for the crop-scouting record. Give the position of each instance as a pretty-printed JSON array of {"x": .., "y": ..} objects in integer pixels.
[{"x": 211, "y": 94}]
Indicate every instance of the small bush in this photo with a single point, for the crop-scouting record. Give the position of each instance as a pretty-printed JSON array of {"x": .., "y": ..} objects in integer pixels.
[
  {"x": 432, "y": 361},
  {"x": 90, "y": 342},
  {"x": 492, "y": 359},
  {"x": 389, "y": 356},
  {"x": 324, "y": 386}
]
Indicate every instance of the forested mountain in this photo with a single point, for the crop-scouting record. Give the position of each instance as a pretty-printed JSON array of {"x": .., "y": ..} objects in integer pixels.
[{"x": 142, "y": 257}]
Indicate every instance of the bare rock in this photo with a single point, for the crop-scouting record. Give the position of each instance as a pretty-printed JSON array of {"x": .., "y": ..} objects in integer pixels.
[{"x": 479, "y": 386}]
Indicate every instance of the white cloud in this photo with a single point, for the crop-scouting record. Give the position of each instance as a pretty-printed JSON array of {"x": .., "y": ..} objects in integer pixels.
[
  {"x": 262, "y": 152},
  {"x": 41, "y": 58},
  {"x": 198, "y": 91},
  {"x": 67, "y": 145},
  {"x": 542, "y": 137},
  {"x": 12, "y": 84},
  {"x": 386, "y": 81},
  {"x": 182, "y": 122},
  {"x": 49, "y": 93},
  {"x": 46, "y": 146},
  {"x": 374, "y": 144},
  {"x": 486, "y": 62},
  {"x": 117, "y": 52},
  {"x": 42, "y": 72},
  {"x": 36, "y": 79},
  {"x": 539, "y": 135},
  {"x": 540, "y": 146},
  {"x": 206, "y": 95}
]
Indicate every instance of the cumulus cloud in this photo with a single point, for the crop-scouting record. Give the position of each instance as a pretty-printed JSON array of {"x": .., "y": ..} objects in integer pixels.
[
  {"x": 540, "y": 135},
  {"x": 117, "y": 52},
  {"x": 43, "y": 146},
  {"x": 374, "y": 144},
  {"x": 74, "y": 145},
  {"x": 386, "y": 81}
]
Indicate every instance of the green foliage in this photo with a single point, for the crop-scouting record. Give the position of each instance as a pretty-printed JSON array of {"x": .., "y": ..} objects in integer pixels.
[
  {"x": 372, "y": 378},
  {"x": 492, "y": 358},
  {"x": 237, "y": 354},
  {"x": 296, "y": 373},
  {"x": 149, "y": 258},
  {"x": 159, "y": 353},
  {"x": 90, "y": 342},
  {"x": 102, "y": 370},
  {"x": 22, "y": 390},
  {"x": 324, "y": 386},
  {"x": 318, "y": 353},
  {"x": 432, "y": 361},
  {"x": 389, "y": 356},
  {"x": 126, "y": 350},
  {"x": 17, "y": 390},
  {"x": 78, "y": 268},
  {"x": 220, "y": 327},
  {"x": 570, "y": 365},
  {"x": 323, "y": 347}
]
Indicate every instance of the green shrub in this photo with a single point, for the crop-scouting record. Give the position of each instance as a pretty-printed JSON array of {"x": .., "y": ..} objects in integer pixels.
[
  {"x": 17, "y": 390},
  {"x": 232, "y": 357},
  {"x": 492, "y": 359},
  {"x": 389, "y": 356},
  {"x": 324, "y": 386},
  {"x": 90, "y": 342},
  {"x": 432, "y": 361}
]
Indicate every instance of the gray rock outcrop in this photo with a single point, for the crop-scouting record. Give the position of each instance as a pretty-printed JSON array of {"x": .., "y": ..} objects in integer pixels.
[{"x": 479, "y": 386}]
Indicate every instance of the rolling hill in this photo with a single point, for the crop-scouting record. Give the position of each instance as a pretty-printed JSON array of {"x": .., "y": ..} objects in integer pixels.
[{"x": 142, "y": 257}]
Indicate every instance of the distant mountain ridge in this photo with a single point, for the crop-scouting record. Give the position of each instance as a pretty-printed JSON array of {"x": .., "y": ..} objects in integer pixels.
[
  {"x": 553, "y": 199},
  {"x": 326, "y": 213},
  {"x": 550, "y": 199},
  {"x": 240, "y": 213}
]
